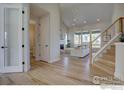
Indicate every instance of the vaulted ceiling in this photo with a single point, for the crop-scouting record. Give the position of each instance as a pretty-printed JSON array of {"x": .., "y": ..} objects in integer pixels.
[
  {"x": 79, "y": 14},
  {"x": 85, "y": 14}
]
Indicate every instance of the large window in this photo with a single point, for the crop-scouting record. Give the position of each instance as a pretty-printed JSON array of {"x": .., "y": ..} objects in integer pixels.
[
  {"x": 66, "y": 39},
  {"x": 84, "y": 37},
  {"x": 97, "y": 43},
  {"x": 77, "y": 39}
]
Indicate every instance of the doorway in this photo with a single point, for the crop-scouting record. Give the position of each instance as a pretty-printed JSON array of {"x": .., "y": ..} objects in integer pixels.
[
  {"x": 39, "y": 34},
  {"x": 32, "y": 31}
]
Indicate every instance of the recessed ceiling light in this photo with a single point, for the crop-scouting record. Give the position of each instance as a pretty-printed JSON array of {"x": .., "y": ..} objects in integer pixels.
[
  {"x": 85, "y": 22},
  {"x": 73, "y": 24},
  {"x": 74, "y": 19},
  {"x": 98, "y": 19}
]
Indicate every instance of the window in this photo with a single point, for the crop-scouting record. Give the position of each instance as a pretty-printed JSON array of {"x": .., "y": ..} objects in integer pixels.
[
  {"x": 97, "y": 43},
  {"x": 66, "y": 39},
  {"x": 77, "y": 39},
  {"x": 84, "y": 37}
]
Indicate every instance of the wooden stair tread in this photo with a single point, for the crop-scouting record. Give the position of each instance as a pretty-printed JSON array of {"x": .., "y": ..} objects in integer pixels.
[
  {"x": 108, "y": 57},
  {"x": 113, "y": 45},
  {"x": 110, "y": 51},
  {"x": 104, "y": 68},
  {"x": 109, "y": 54},
  {"x": 112, "y": 48},
  {"x": 107, "y": 62}
]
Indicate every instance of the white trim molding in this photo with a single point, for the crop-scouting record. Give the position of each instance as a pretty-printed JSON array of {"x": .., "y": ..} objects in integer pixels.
[{"x": 55, "y": 60}]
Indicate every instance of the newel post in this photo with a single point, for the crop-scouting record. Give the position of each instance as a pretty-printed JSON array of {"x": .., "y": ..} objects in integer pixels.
[{"x": 121, "y": 25}]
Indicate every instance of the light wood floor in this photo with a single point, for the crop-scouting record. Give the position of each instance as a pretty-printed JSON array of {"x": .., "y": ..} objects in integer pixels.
[{"x": 68, "y": 71}]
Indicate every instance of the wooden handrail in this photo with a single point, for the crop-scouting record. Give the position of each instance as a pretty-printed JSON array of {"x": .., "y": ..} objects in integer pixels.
[
  {"x": 120, "y": 19},
  {"x": 107, "y": 28}
]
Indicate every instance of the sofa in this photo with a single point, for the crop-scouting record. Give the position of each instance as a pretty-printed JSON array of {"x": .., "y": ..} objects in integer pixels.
[{"x": 80, "y": 51}]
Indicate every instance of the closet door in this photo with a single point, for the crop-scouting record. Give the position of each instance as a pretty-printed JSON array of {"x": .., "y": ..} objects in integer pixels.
[
  {"x": 45, "y": 47},
  {"x": 11, "y": 38}
]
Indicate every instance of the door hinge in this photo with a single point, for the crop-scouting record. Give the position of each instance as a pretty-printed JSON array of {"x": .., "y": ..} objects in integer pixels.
[
  {"x": 23, "y": 12},
  {"x": 23, "y": 63},
  {"x": 23, "y": 29},
  {"x": 22, "y": 46}
]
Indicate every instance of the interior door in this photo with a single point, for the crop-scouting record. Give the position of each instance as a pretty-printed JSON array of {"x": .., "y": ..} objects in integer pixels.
[
  {"x": 45, "y": 38},
  {"x": 11, "y": 38}
]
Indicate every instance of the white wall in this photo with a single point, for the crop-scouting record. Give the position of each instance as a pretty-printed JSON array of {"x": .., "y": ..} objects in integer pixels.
[
  {"x": 37, "y": 39},
  {"x": 53, "y": 10},
  {"x": 63, "y": 31},
  {"x": 119, "y": 61}
]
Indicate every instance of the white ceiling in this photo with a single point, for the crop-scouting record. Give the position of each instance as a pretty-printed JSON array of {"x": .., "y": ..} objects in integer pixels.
[
  {"x": 36, "y": 11},
  {"x": 81, "y": 12},
  {"x": 85, "y": 12}
]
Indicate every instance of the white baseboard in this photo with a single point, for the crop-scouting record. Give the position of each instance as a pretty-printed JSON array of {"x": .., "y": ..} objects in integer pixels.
[
  {"x": 119, "y": 76},
  {"x": 38, "y": 58},
  {"x": 26, "y": 69},
  {"x": 55, "y": 60}
]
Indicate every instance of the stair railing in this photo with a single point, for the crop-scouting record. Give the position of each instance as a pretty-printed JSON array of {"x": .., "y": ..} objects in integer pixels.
[{"x": 106, "y": 37}]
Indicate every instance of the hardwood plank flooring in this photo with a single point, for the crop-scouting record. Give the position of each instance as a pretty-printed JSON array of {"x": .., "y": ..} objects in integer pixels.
[{"x": 67, "y": 71}]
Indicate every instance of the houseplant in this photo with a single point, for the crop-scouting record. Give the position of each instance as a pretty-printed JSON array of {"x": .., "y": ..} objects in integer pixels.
[
  {"x": 122, "y": 37},
  {"x": 68, "y": 44}
]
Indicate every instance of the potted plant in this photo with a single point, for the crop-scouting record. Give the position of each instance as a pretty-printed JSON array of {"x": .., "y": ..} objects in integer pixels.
[
  {"x": 68, "y": 44},
  {"x": 122, "y": 37}
]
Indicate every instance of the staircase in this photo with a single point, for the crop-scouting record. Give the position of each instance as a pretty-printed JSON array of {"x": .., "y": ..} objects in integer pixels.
[
  {"x": 103, "y": 60},
  {"x": 106, "y": 62}
]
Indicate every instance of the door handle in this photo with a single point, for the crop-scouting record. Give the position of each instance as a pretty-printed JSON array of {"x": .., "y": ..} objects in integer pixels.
[{"x": 2, "y": 47}]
